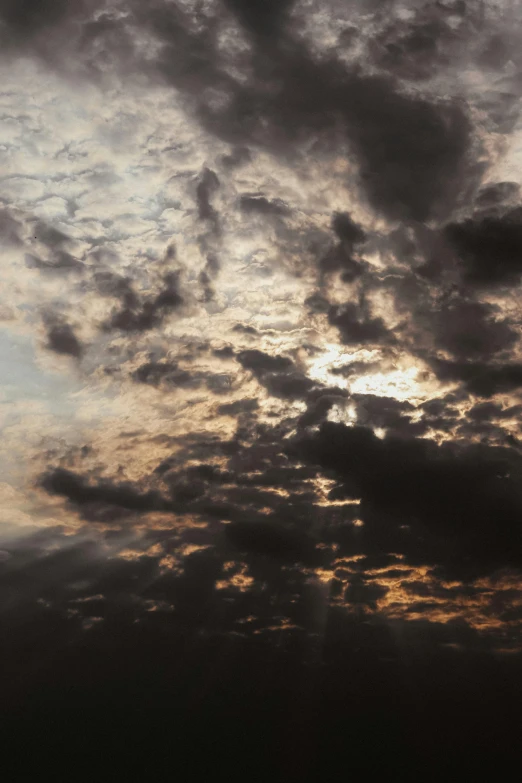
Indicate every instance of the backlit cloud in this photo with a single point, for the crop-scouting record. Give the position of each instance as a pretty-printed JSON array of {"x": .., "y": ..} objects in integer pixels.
[{"x": 261, "y": 376}]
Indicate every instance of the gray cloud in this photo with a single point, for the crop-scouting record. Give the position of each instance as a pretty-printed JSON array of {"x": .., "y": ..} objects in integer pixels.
[{"x": 62, "y": 339}]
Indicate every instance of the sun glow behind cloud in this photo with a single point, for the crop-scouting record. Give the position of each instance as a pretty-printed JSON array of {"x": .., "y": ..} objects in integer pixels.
[
  {"x": 335, "y": 356},
  {"x": 405, "y": 382},
  {"x": 400, "y": 384}
]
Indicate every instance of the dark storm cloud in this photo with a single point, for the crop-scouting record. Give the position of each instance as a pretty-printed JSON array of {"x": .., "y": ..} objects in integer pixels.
[
  {"x": 346, "y": 229},
  {"x": 241, "y": 501},
  {"x": 109, "y": 284},
  {"x": 238, "y": 407},
  {"x": 317, "y": 303},
  {"x": 462, "y": 503},
  {"x": 189, "y": 58},
  {"x": 357, "y": 326},
  {"x": 319, "y": 404},
  {"x": 210, "y": 619},
  {"x": 207, "y": 186},
  {"x": 467, "y": 496},
  {"x": 62, "y": 339},
  {"x": 77, "y": 489},
  {"x": 490, "y": 248},
  {"x": 259, "y": 362},
  {"x": 25, "y": 18},
  {"x": 481, "y": 378},
  {"x": 176, "y": 675},
  {"x": 277, "y": 374},
  {"x": 471, "y": 330},
  {"x": 339, "y": 257},
  {"x": 205, "y": 489},
  {"x": 417, "y": 48},
  {"x": 264, "y": 538},
  {"x": 169, "y": 376},
  {"x": 169, "y": 373},
  {"x": 208, "y": 275},
  {"x": 490, "y": 410},
  {"x": 263, "y": 206},
  {"x": 261, "y": 18},
  {"x": 292, "y": 385},
  {"x": 138, "y": 313},
  {"x": 412, "y": 153},
  {"x": 446, "y": 324},
  {"x": 387, "y": 413},
  {"x": 209, "y": 473},
  {"x": 284, "y": 476},
  {"x": 408, "y": 149},
  {"x": 361, "y": 592}
]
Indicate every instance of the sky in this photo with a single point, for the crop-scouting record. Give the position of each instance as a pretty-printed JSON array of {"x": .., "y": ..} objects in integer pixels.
[{"x": 261, "y": 387}]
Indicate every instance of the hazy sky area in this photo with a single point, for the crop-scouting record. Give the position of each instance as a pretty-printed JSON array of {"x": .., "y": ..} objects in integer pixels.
[{"x": 261, "y": 389}]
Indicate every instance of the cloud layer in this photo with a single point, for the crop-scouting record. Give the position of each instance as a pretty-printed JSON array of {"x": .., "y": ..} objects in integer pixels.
[{"x": 262, "y": 265}]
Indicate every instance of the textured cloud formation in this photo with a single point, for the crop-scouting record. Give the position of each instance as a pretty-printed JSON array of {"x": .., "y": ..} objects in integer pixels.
[{"x": 261, "y": 379}]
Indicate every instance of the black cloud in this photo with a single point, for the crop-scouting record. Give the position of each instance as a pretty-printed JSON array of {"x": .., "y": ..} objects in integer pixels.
[
  {"x": 467, "y": 496},
  {"x": 27, "y": 17},
  {"x": 263, "y": 206},
  {"x": 80, "y": 492},
  {"x": 470, "y": 330},
  {"x": 260, "y": 362},
  {"x": 346, "y": 229},
  {"x": 168, "y": 372},
  {"x": 412, "y": 153},
  {"x": 238, "y": 407},
  {"x": 276, "y": 373},
  {"x": 61, "y": 337},
  {"x": 481, "y": 378},
  {"x": 140, "y": 314},
  {"x": 356, "y": 325},
  {"x": 206, "y": 187},
  {"x": 263, "y": 538},
  {"x": 490, "y": 248},
  {"x": 261, "y": 17}
]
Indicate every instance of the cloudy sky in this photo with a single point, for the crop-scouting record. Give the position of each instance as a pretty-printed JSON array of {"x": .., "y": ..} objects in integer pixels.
[{"x": 261, "y": 383}]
